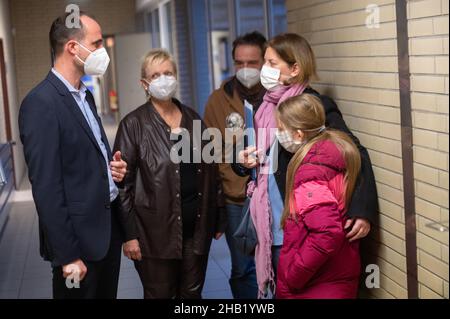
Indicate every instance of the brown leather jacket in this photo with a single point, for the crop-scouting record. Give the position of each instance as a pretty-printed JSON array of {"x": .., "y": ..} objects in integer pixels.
[{"x": 150, "y": 192}]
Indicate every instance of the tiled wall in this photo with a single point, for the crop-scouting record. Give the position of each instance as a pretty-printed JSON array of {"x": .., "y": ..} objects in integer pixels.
[
  {"x": 428, "y": 33},
  {"x": 358, "y": 68}
]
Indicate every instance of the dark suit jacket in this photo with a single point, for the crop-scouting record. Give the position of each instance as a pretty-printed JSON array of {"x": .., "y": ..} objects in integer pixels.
[{"x": 68, "y": 174}]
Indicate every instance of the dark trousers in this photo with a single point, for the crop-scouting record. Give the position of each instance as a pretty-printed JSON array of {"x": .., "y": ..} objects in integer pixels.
[
  {"x": 243, "y": 271},
  {"x": 174, "y": 278},
  {"x": 102, "y": 276}
]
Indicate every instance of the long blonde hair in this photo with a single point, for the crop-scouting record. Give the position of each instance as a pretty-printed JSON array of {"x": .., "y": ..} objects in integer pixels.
[{"x": 305, "y": 112}]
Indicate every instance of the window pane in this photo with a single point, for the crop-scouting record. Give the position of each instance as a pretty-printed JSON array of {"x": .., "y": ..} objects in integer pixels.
[
  {"x": 169, "y": 26},
  {"x": 250, "y": 16},
  {"x": 199, "y": 43},
  {"x": 156, "y": 37},
  {"x": 149, "y": 22},
  {"x": 220, "y": 47},
  {"x": 219, "y": 15},
  {"x": 279, "y": 20}
]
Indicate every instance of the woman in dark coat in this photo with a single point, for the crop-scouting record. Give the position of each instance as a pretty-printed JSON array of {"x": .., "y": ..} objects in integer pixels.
[{"x": 173, "y": 204}]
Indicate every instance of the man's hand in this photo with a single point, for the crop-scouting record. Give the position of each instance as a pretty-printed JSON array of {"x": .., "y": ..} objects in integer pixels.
[
  {"x": 218, "y": 235},
  {"x": 360, "y": 228},
  {"x": 118, "y": 167},
  {"x": 132, "y": 250},
  {"x": 77, "y": 269},
  {"x": 248, "y": 157}
]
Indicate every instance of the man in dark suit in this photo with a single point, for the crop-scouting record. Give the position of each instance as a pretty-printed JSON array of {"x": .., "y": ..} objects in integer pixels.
[{"x": 71, "y": 168}]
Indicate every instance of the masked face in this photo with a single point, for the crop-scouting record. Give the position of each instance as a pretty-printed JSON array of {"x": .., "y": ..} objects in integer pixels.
[
  {"x": 270, "y": 78},
  {"x": 288, "y": 142},
  {"x": 291, "y": 144},
  {"x": 276, "y": 72},
  {"x": 163, "y": 88},
  {"x": 97, "y": 61},
  {"x": 249, "y": 77}
]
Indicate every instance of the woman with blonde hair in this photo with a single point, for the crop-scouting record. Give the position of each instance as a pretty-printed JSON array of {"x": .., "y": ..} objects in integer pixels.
[
  {"x": 290, "y": 68},
  {"x": 316, "y": 261},
  {"x": 173, "y": 204}
]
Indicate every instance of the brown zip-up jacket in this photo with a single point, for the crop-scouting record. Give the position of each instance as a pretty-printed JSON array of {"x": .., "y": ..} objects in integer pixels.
[{"x": 222, "y": 103}]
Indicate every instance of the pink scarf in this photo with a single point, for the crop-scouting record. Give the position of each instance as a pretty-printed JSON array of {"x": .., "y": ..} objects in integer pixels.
[{"x": 260, "y": 206}]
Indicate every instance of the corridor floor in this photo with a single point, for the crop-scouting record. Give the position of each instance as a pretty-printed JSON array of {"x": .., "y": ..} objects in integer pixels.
[{"x": 24, "y": 275}]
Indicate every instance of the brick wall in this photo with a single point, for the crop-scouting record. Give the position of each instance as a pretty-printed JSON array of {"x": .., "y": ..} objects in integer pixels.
[
  {"x": 428, "y": 33},
  {"x": 358, "y": 68},
  {"x": 31, "y": 21}
]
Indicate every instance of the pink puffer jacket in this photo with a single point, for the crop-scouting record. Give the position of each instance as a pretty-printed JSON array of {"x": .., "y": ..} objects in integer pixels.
[{"x": 316, "y": 260}]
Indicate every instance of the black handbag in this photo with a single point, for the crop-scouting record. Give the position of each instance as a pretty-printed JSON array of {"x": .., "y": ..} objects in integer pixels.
[{"x": 245, "y": 235}]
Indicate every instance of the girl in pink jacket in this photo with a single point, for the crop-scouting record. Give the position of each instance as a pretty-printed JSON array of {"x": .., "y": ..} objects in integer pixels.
[{"x": 316, "y": 260}]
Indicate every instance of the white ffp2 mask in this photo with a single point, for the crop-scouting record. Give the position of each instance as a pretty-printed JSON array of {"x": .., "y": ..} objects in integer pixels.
[
  {"x": 163, "y": 88},
  {"x": 96, "y": 63},
  {"x": 249, "y": 77}
]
